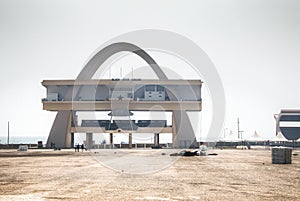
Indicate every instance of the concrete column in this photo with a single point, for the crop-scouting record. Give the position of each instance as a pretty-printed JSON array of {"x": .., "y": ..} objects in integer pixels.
[
  {"x": 60, "y": 133},
  {"x": 130, "y": 141},
  {"x": 156, "y": 139},
  {"x": 183, "y": 133},
  {"x": 68, "y": 143},
  {"x": 72, "y": 139},
  {"x": 89, "y": 140},
  {"x": 111, "y": 140},
  {"x": 175, "y": 142}
]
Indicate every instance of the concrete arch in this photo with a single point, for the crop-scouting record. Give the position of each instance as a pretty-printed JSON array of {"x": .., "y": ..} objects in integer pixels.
[
  {"x": 99, "y": 58},
  {"x": 62, "y": 121}
]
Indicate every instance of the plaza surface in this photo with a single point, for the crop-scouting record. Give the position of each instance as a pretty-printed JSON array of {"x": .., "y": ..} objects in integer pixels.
[{"x": 146, "y": 174}]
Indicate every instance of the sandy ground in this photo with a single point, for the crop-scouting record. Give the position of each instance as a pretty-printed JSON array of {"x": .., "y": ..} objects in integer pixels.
[{"x": 66, "y": 175}]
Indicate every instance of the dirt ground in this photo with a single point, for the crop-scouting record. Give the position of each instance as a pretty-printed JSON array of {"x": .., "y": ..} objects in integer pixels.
[{"x": 69, "y": 175}]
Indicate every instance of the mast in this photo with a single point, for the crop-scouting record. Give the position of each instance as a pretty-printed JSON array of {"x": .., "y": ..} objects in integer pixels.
[{"x": 239, "y": 131}]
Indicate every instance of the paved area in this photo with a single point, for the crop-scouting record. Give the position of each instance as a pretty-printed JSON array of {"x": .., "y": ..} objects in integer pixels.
[{"x": 112, "y": 175}]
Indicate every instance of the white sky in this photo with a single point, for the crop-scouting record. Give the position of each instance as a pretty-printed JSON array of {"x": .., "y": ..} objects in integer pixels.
[{"x": 255, "y": 46}]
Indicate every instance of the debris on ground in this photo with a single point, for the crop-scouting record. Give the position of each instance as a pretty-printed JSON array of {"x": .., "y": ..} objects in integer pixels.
[
  {"x": 212, "y": 154},
  {"x": 186, "y": 153}
]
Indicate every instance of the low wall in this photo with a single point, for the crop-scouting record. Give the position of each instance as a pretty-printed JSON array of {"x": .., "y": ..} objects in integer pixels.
[{"x": 16, "y": 146}]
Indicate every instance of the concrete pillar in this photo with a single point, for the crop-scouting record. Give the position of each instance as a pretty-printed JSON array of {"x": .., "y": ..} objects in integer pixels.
[
  {"x": 89, "y": 140},
  {"x": 130, "y": 141},
  {"x": 175, "y": 142},
  {"x": 111, "y": 140},
  {"x": 183, "y": 133},
  {"x": 156, "y": 139},
  {"x": 68, "y": 143},
  {"x": 72, "y": 140},
  {"x": 60, "y": 133}
]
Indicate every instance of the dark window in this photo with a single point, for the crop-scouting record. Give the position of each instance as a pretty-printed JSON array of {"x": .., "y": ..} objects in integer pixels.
[
  {"x": 160, "y": 88},
  {"x": 150, "y": 87},
  {"x": 129, "y": 95}
]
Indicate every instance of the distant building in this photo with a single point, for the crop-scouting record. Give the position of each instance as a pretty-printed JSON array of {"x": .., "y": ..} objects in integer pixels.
[{"x": 288, "y": 123}]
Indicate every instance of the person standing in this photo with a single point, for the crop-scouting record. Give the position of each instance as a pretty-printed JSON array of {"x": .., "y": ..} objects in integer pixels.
[
  {"x": 82, "y": 147},
  {"x": 77, "y": 148}
]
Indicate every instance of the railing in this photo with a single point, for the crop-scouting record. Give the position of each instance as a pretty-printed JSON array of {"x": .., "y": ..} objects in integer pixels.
[{"x": 123, "y": 124}]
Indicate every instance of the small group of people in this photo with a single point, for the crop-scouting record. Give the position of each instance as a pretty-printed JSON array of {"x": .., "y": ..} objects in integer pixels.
[{"x": 78, "y": 146}]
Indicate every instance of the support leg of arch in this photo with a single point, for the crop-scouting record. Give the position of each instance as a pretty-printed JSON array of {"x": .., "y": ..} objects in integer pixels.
[{"x": 60, "y": 133}]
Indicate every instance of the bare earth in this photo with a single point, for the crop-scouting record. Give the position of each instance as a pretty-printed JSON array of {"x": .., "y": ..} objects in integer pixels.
[{"x": 66, "y": 175}]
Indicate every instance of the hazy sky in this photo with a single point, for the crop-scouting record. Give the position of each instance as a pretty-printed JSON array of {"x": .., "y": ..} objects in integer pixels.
[{"x": 255, "y": 46}]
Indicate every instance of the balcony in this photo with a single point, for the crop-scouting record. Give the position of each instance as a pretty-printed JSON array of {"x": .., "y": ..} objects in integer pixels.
[{"x": 132, "y": 105}]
